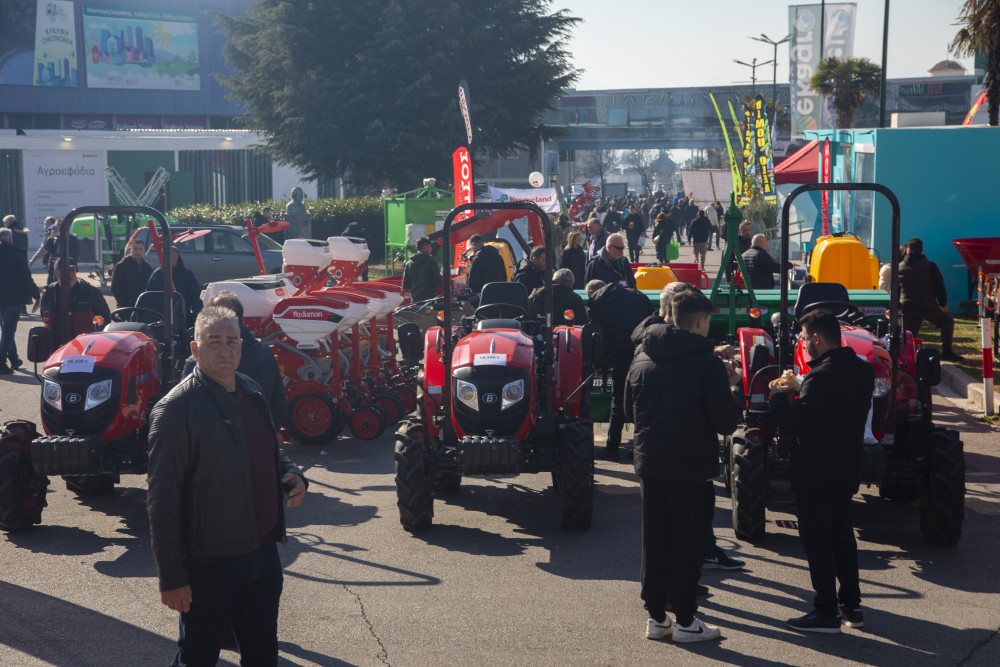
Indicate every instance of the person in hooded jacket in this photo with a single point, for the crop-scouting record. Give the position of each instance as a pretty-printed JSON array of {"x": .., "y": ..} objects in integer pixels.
[
  {"x": 922, "y": 296},
  {"x": 618, "y": 310},
  {"x": 185, "y": 284},
  {"x": 487, "y": 265},
  {"x": 677, "y": 395},
  {"x": 563, "y": 299}
]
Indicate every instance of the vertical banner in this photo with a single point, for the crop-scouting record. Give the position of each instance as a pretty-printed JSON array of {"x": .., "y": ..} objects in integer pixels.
[
  {"x": 825, "y": 178},
  {"x": 974, "y": 109},
  {"x": 461, "y": 162},
  {"x": 764, "y": 165},
  {"x": 804, "y": 55},
  {"x": 55, "y": 44},
  {"x": 749, "y": 161},
  {"x": 733, "y": 165},
  {"x": 56, "y": 182}
]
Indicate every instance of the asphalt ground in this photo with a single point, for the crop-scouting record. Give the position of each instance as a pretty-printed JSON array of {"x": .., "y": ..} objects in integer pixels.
[{"x": 496, "y": 581}]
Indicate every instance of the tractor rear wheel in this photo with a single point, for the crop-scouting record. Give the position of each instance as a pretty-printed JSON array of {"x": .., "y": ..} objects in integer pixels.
[
  {"x": 727, "y": 464},
  {"x": 942, "y": 489},
  {"x": 91, "y": 485},
  {"x": 748, "y": 483},
  {"x": 22, "y": 490},
  {"x": 415, "y": 503},
  {"x": 575, "y": 474},
  {"x": 314, "y": 420}
]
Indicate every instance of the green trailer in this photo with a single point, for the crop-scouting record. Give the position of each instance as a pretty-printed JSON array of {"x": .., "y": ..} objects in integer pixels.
[{"x": 103, "y": 239}]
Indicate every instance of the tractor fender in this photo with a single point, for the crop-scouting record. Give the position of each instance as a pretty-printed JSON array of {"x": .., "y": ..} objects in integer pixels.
[
  {"x": 569, "y": 369},
  {"x": 749, "y": 338}
]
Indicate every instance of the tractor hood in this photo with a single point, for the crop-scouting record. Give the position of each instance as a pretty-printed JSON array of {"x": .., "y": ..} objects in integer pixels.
[
  {"x": 499, "y": 347},
  {"x": 110, "y": 350},
  {"x": 864, "y": 344}
]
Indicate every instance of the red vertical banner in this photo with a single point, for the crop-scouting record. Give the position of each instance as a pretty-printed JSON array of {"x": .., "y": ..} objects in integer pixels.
[
  {"x": 461, "y": 161},
  {"x": 825, "y": 178}
]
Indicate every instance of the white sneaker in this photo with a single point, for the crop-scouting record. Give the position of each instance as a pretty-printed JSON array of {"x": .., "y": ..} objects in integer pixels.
[
  {"x": 696, "y": 632},
  {"x": 657, "y": 630}
]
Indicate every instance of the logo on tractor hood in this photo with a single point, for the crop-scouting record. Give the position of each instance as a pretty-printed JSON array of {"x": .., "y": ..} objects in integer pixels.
[
  {"x": 489, "y": 399},
  {"x": 75, "y": 398}
]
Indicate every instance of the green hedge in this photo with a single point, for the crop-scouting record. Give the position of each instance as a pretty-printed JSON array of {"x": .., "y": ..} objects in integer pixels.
[{"x": 329, "y": 217}]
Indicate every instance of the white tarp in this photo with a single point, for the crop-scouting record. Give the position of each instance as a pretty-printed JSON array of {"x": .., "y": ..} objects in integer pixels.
[
  {"x": 546, "y": 198},
  {"x": 56, "y": 182},
  {"x": 707, "y": 185}
]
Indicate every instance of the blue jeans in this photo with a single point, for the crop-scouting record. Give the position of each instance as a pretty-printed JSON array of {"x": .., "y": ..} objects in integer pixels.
[
  {"x": 9, "y": 317},
  {"x": 241, "y": 591}
]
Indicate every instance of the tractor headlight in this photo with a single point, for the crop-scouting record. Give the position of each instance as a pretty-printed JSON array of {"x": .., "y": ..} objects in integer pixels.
[
  {"x": 52, "y": 394},
  {"x": 97, "y": 393},
  {"x": 512, "y": 393},
  {"x": 466, "y": 392},
  {"x": 881, "y": 387}
]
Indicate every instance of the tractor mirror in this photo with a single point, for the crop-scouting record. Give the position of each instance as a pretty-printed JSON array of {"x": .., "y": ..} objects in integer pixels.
[
  {"x": 593, "y": 343},
  {"x": 39, "y": 344},
  {"x": 411, "y": 343},
  {"x": 928, "y": 367}
]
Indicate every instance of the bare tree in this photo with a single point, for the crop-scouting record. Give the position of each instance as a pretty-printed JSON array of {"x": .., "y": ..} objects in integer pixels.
[
  {"x": 599, "y": 163},
  {"x": 643, "y": 162}
]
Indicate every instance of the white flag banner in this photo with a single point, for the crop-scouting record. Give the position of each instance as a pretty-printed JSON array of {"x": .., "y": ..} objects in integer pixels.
[
  {"x": 545, "y": 198},
  {"x": 808, "y": 110}
]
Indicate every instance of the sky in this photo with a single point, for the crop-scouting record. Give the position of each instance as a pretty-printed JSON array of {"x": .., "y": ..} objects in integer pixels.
[{"x": 666, "y": 43}]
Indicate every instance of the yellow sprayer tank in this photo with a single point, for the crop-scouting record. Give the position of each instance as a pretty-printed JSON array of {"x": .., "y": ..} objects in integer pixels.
[
  {"x": 653, "y": 277},
  {"x": 844, "y": 260}
]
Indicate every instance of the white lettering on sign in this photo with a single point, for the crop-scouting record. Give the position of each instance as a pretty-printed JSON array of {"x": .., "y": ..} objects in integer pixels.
[
  {"x": 306, "y": 314},
  {"x": 490, "y": 360},
  {"x": 78, "y": 364}
]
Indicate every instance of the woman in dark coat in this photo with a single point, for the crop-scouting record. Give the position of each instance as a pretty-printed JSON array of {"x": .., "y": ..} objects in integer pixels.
[
  {"x": 663, "y": 230},
  {"x": 573, "y": 258}
]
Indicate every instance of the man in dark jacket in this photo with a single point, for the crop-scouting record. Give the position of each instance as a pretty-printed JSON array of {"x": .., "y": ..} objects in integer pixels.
[
  {"x": 486, "y": 266},
  {"x": 618, "y": 310},
  {"x": 700, "y": 235},
  {"x": 16, "y": 289},
  {"x": 131, "y": 275},
  {"x": 421, "y": 274},
  {"x": 53, "y": 248},
  {"x": 611, "y": 265},
  {"x": 677, "y": 394},
  {"x": 597, "y": 236},
  {"x": 635, "y": 228},
  {"x": 532, "y": 274},
  {"x": 743, "y": 238},
  {"x": 563, "y": 299},
  {"x": 613, "y": 220},
  {"x": 256, "y": 361},
  {"x": 19, "y": 235},
  {"x": 761, "y": 267},
  {"x": 85, "y": 303},
  {"x": 215, "y": 502},
  {"x": 185, "y": 284},
  {"x": 922, "y": 296},
  {"x": 827, "y": 427}
]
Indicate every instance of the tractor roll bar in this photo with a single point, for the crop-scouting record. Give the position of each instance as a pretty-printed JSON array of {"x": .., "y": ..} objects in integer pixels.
[
  {"x": 446, "y": 349},
  {"x": 783, "y": 330},
  {"x": 168, "y": 278}
]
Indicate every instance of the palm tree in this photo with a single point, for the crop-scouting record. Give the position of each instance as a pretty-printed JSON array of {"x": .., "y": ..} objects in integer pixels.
[
  {"x": 848, "y": 81},
  {"x": 980, "y": 33}
]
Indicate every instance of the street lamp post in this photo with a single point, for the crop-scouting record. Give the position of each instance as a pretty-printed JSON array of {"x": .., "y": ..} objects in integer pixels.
[
  {"x": 753, "y": 65},
  {"x": 774, "y": 82}
]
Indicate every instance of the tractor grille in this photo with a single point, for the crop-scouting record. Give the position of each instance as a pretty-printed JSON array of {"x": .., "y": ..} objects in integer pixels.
[
  {"x": 73, "y": 417},
  {"x": 490, "y": 419}
]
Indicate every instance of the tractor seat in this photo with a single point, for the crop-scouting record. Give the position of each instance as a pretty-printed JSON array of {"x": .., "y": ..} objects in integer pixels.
[
  {"x": 497, "y": 323},
  {"x": 811, "y": 293},
  {"x": 140, "y": 327},
  {"x": 514, "y": 294},
  {"x": 154, "y": 301}
]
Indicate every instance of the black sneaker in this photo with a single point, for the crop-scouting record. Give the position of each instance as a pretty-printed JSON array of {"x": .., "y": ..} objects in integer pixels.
[
  {"x": 608, "y": 454},
  {"x": 16, "y": 363},
  {"x": 5, "y": 370},
  {"x": 720, "y": 561},
  {"x": 815, "y": 621},
  {"x": 852, "y": 618}
]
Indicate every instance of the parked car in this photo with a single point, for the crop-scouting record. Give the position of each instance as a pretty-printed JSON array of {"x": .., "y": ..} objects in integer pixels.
[{"x": 222, "y": 254}]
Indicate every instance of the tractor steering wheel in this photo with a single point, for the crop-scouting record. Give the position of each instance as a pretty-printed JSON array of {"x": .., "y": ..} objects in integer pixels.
[
  {"x": 842, "y": 310},
  {"x": 500, "y": 311},
  {"x": 125, "y": 314}
]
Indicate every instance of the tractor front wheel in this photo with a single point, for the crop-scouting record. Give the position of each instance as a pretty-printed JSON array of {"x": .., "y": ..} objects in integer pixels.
[
  {"x": 574, "y": 475},
  {"x": 314, "y": 420},
  {"x": 415, "y": 503},
  {"x": 748, "y": 484},
  {"x": 942, "y": 489},
  {"x": 22, "y": 490},
  {"x": 408, "y": 395}
]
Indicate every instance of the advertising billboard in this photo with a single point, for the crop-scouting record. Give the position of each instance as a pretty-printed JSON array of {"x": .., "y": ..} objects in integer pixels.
[
  {"x": 56, "y": 182},
  {"x": 140, "y": 49},
  {"x": 38, "y": 44}
]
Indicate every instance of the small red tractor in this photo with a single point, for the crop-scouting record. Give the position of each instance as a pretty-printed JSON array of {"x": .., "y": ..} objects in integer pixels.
[
  {"x": 503, "y": 392},
  {"x": 904, "y": 453},
  {"x": 97, "y": 391}
]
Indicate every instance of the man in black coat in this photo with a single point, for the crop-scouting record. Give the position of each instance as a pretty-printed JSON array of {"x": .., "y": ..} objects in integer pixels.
[
  {"x": 761, "y": 267},
  {"x": 677, "y": 395},
  {"x": 486, "y": 265},
  {"x": 185, "y": 284},
  {"x": 421, "y": 274},
  {"x": 16, "y": 289},
  {"x": 743, "y": 238},
  {"x": 532, "y": 274},
  {"x": 613, "y": 220},
  {"x": 635, "y": 228},
  {"x": 922, "y": 296},
  {"x": 618, "y": 310},
  {"x": 563, "y": 299},
  {"x": 827, "y": 425},
  {"x": 131, "y": 275},
  {"x": 611, "y": 265},
  {"x": 85, "y": 303},
  {"x": 597, "y": 236},
  {"x": 19, "y": 235}
]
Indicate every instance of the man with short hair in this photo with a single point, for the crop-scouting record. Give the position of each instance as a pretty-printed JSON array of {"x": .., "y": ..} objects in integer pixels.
[
  {"x": 611, "y": 265},
  {"x": 16, "y": 289},
  {"x": 216, "y": 480},
  {"x": 743, "y": 238},
  {"x": 597, "y": 236},
  {"x": 677, "y": 395},
  {"x": 635, "y": 229},
  {"x": 532, "y": 274},
  {"x": 184, "y": 281},
  {"x": 922, "y": 296},
  {"x": 761, "y": 267},
  {"x": 825, "y": 427},
  {"x": 486, "y": 266},
  {"x": 613, "y": 220},
  {"x": 130, "y": 275},
  {"x": 19, "y": 234},
  {"x": 85, "y": 303},
  {"x": 563, "y": 299},
  {"x": 421, "y": 274}
]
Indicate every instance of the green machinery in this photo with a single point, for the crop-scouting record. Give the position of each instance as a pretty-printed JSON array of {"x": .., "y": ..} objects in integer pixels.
[{"x": 425, "y": 207}]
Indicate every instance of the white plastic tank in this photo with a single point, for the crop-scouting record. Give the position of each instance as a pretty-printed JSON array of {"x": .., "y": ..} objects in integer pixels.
[
  {"x": 306, "y": 252},
  {"x": 343, "y": 248},
  {"x": 257, "y": 294}
]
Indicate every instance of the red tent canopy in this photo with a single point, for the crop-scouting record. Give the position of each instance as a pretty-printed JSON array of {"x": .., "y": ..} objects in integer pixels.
[{"x": 800, "y": 167}]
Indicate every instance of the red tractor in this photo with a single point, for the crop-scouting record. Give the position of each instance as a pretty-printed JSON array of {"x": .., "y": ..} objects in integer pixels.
[
  {"x": 503, "y": 392},
  {"x": 97, "y": 391},
  {"x": 904, "y": 453}
]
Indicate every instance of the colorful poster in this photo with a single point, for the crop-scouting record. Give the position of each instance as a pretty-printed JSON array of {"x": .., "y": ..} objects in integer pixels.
[
  {"x": 749, "y": 161},
  {"x": 825, "y": 178},
  {"x": 764, "y": 166},
  {"x": 56, "y": 182},
  {"x": 55, "y": 44},
  {"x": 140, "y": 49},
  {"x": 808, "y": 110},
  {"x": 734, "y": 166}
]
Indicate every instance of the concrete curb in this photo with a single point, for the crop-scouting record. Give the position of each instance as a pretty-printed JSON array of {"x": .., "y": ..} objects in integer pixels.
[{"x": 965, "y": 385}]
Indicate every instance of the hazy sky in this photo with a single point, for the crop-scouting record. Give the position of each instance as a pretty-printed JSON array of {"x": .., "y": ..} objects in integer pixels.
[{"x": 662, "y": 43}]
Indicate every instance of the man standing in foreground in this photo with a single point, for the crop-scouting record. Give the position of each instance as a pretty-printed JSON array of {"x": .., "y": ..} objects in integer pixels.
[
  {"x": 827, "y": 423},
  {"x": 677, "y": 395},
  {"x": 216, "y": 481}
]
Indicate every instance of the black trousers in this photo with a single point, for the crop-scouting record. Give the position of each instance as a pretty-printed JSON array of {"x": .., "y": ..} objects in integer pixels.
[
  {"x": 634, "y": 250},
  {"x": 828, "y": 537},
  {"x": 674, "y": 515},
  {"x": 622, "y": 359},
  {"x": 938, "y": 316},
  {"x": 241, "y": 591}
]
